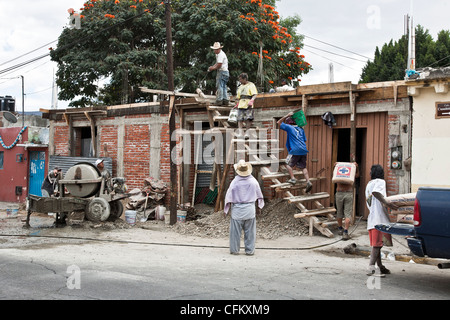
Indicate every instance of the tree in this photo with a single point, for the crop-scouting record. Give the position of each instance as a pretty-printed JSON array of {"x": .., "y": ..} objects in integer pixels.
[
  {"x": 122, "y": 42},
  {"x": 390, "y": 63}
]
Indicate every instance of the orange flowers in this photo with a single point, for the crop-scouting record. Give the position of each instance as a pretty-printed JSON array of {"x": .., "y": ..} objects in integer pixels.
[{"x": 109, "y": 16}]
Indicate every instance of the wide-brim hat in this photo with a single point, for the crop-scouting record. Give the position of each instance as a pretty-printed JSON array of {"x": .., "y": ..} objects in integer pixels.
[
  {"x": 216, "y": 46},
  {"x": 243, "y": 168}
]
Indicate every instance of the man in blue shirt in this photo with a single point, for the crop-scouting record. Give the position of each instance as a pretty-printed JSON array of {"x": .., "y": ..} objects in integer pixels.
[{"x": 296, "y": 146}]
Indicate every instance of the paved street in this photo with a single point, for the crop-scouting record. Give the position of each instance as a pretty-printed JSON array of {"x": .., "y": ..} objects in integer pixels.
[{"x": 156, "y": 264}]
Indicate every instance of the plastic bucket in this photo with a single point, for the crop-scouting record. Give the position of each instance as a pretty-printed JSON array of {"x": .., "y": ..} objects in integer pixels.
[
  {"x": 181, "y": 216},
  {"x": 160, "y": 212},
  {"x": 299, "y": 118},
  {"x": 167, "y": 217},
  {"x": 130, "y": 217}
]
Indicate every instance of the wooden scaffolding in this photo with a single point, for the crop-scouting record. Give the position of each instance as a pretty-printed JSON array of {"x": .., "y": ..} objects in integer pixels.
[{"x": 262, "y": 152}]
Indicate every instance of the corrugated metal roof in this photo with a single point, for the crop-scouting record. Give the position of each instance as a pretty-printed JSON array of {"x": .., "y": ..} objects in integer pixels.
[{"x": 65, "y": 163}]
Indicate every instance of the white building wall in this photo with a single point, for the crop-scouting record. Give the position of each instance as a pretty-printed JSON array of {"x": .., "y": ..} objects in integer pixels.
[{"x": 430, "y": 139}]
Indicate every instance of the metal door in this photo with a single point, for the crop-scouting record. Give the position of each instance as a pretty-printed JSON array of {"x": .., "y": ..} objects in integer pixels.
[{"x": 37, "y": 172}]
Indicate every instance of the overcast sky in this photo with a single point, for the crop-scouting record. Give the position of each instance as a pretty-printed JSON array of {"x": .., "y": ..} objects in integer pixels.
[{"x": 329, "y": 26}]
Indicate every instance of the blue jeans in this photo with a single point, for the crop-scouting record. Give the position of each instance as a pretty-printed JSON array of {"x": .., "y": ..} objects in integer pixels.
[{"x": 221, "y": 85}]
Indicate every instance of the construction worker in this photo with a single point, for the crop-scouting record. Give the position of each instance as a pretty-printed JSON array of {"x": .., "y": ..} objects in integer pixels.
[
  {"x": 106, "y": 175},
  {"x": 246, "y": 93},
  {"x": 344, "y": 205},
  {"x": 222, "y": 74},
  {"x": 50, "y": 183},
  {"x": 296, "y": 145}
]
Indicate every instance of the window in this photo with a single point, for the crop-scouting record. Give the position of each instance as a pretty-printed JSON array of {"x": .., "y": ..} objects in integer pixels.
[{"x": 1, "y": 160}]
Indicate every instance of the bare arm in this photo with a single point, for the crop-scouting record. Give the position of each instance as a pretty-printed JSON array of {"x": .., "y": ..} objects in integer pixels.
[{"x": 284, "y": 118}]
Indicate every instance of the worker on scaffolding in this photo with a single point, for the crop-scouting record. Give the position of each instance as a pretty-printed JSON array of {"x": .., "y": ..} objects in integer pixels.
[
  {"x": 246, "y": 93},
  {"x": 222, "y": 76}
]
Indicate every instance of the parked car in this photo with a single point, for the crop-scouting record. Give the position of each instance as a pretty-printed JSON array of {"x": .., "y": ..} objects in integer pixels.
[{"x": 429, "y": 235}]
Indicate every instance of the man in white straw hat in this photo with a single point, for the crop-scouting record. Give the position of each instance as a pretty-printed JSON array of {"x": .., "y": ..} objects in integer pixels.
[
  {"x": 241, "y": 196},
  {"x": 222, "y": 74}
]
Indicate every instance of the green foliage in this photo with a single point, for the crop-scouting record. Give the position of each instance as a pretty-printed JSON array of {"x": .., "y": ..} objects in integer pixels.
[
  {"x": 123, "y": 43},
  {"x": 390, "y": 63}
]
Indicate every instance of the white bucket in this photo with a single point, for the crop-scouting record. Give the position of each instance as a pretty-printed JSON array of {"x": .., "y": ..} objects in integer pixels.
[
  {"x": 160, "y": 212},
  {"x": 130, "y": 217},
  {"x": 167, "y": 217}
]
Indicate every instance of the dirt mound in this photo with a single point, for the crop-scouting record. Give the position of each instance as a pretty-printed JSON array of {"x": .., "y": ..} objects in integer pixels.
[{"x": 276, "y": 220}]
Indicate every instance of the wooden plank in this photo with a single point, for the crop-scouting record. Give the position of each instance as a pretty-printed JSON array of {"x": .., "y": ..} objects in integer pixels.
[
  {"x": 307, "y": 197},
  {"x": 280, "y": 175},
  {"x": 314, "y": 212}
]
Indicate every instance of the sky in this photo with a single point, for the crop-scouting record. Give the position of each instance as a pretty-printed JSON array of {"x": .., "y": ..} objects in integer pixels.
[{"x": 343, "y": 33}]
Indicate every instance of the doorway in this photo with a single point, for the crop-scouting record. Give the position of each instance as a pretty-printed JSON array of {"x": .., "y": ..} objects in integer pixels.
[
  {"x": 341, "y": 153},
  {"x": 37, "y": 172}
]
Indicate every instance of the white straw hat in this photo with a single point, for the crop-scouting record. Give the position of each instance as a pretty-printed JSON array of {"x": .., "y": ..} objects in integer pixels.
[
  {"x": 216, "y": 46},
  {"x": 243, "y": 168}
]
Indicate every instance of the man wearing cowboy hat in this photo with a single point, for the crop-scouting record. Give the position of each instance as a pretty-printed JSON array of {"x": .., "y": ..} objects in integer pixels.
[
  {"x": 222, "y": 74},
  {"x": 241, "y": 196}
]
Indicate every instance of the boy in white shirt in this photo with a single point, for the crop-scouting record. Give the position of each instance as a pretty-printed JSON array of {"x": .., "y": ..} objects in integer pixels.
[{"x": 376, "y": 202}]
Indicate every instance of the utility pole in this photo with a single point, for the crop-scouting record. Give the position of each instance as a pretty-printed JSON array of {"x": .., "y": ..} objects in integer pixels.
[
  {"x": 23, "y": 102},
  {"x": 171, "y": 87}
]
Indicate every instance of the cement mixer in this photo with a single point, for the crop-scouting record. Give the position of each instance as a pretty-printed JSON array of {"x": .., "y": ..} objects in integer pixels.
[{"x": 82, "y": 189}]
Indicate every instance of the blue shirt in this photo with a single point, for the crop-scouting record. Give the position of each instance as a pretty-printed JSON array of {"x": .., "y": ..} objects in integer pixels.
[{"x": 296, "y": 139}]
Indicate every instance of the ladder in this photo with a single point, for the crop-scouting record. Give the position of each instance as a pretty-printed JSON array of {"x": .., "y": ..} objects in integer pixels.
[{"x": 262, "y": 153}]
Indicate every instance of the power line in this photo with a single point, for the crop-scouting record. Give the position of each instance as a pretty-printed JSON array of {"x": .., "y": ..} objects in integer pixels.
[
  {"x": 68, "y": 45},
  {"x": 331, "y": 60},
  {"x": 340, "y": 48},
  {"x": 25, "y": 54},
  {"x": 337, "y": 54}
]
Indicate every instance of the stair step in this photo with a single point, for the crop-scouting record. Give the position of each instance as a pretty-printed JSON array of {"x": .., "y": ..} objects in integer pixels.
[
  {"x": 280, "y": 175},
  {"x": 310, "y": 213},
  {"x": 287, "y": 185},
  {"x": 264, "y": 162},
  {"x": 261, "y": 151},
  {"x": 308, "y": 197},
  {"x": 216, "y": 118},
  {"x": 220, "y": 108}
]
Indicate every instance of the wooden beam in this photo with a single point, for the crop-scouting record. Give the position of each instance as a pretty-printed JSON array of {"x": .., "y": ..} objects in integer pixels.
[{"x": 93, "y": 140}]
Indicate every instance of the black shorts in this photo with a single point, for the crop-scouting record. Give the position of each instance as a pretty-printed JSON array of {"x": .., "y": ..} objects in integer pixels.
[{"x": 298, "y": 161}]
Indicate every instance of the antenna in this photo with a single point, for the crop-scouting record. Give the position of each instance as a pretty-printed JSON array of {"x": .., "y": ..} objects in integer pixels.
[
  {"x": 411, "y": 63},
  {"x": 54, "y": 93},
  {"x": 331, "y": 72}
]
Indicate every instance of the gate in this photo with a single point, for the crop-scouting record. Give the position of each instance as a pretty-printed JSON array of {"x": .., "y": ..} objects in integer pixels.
[{"x": 37, "y": 172}]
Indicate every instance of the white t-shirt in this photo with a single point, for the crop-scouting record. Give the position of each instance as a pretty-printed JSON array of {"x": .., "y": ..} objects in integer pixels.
[
  {"x": 377, "y": 213},
  {"x": 221, "y": 57}
]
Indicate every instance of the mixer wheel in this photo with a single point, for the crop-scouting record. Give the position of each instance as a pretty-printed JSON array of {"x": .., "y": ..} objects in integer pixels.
[
  {"x": 98, "y": 209},
  {"x": 116, "y": 209}
]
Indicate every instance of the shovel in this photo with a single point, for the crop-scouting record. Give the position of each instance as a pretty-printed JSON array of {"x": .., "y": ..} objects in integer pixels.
[{"x": 145, "y": 208}]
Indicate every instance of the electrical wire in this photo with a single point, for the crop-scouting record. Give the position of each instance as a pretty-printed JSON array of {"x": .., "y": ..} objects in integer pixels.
[
  {"x": 172, "y": 244},
  {"x": 337, "y": 54},
  {"x": 68, "y": 45},
  {"x": 336, "y": 46}
]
